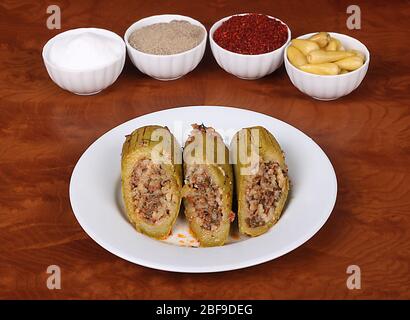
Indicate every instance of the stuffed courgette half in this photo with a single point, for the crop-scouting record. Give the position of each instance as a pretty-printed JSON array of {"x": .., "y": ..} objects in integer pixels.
[
  {"x": 151, "y": 180},
  {"x": 261, "y": 179},
  {"x": 208, "y": 188}
]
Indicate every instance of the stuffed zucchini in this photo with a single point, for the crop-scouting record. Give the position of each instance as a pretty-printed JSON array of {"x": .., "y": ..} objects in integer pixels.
[
  {"x": 208, "y": 188},
  {"x": 151, "y": 180},
  {"x": 261, "y": 179}
]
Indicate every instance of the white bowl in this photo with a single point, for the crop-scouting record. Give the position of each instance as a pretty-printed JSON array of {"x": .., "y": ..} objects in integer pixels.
[
  {"x": 329, "y": 87},
  {"x": 165, "y": 67},
  {"x": 246, "y": 66},
  {"x": 90, "y": 81}
]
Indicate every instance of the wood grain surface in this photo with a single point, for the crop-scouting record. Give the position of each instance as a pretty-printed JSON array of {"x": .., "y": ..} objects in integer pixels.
[{"x": 44, "y": 131}]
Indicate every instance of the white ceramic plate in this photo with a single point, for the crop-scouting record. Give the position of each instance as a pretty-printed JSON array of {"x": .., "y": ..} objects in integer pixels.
[{"x": 95, "y": 196}]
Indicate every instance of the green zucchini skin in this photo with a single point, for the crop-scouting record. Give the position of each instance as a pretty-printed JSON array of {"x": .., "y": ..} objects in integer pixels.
[
  {"x": 269, "y": 150},
  {"x": 139, "y": 145},
  {"x": 221, "y": 174}
]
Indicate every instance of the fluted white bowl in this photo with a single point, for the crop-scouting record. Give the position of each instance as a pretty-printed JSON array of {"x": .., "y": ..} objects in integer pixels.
[
  {"x": 165, "y": 67},
  {"x": 245, "y": 66},
  {"x": 328, "y": 87},
  {"x": 88, "y": 81}
]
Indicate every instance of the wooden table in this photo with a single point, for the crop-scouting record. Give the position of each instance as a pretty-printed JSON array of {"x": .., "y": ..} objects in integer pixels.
[{"x": 44, "y": 131}]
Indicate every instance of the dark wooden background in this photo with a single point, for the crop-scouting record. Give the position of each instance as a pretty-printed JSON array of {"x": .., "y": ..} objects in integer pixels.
[{"x": 44, "y": 131}]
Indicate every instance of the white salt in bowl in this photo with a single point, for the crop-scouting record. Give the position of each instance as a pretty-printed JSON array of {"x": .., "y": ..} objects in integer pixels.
[
  {"x": 165, "y": 67},
  {"x": 327, "y": 87},
  {"x": 87, "y": 81},
  {"x": 246, "y": 66}
]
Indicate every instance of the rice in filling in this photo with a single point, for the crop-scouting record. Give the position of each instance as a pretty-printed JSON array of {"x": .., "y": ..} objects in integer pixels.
[
  {"x": 151, "y": 191},
  {"x": 205, "y": 197},
  {"x": 263, "y": 192}
]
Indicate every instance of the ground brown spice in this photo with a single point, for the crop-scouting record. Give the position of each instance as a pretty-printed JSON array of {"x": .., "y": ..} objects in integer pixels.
[{"x": 167, "y": 38}]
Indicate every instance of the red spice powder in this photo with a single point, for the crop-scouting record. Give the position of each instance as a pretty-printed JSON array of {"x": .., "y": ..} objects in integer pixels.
[{"x": 251, "y": 34}]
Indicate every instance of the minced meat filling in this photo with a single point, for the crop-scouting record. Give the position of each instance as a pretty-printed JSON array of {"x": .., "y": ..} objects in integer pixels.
[
  {"x": 263, "y": 192},
  {"x": 151, "y": 190},
  {"x": 205, "y": 197}
]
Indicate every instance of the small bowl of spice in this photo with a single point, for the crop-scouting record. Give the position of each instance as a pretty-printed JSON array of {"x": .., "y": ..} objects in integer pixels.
[
  {"x": 84, "y": 60},
  {"x": 250, "y": 45},
  {"x": 166, "y": 47}
]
